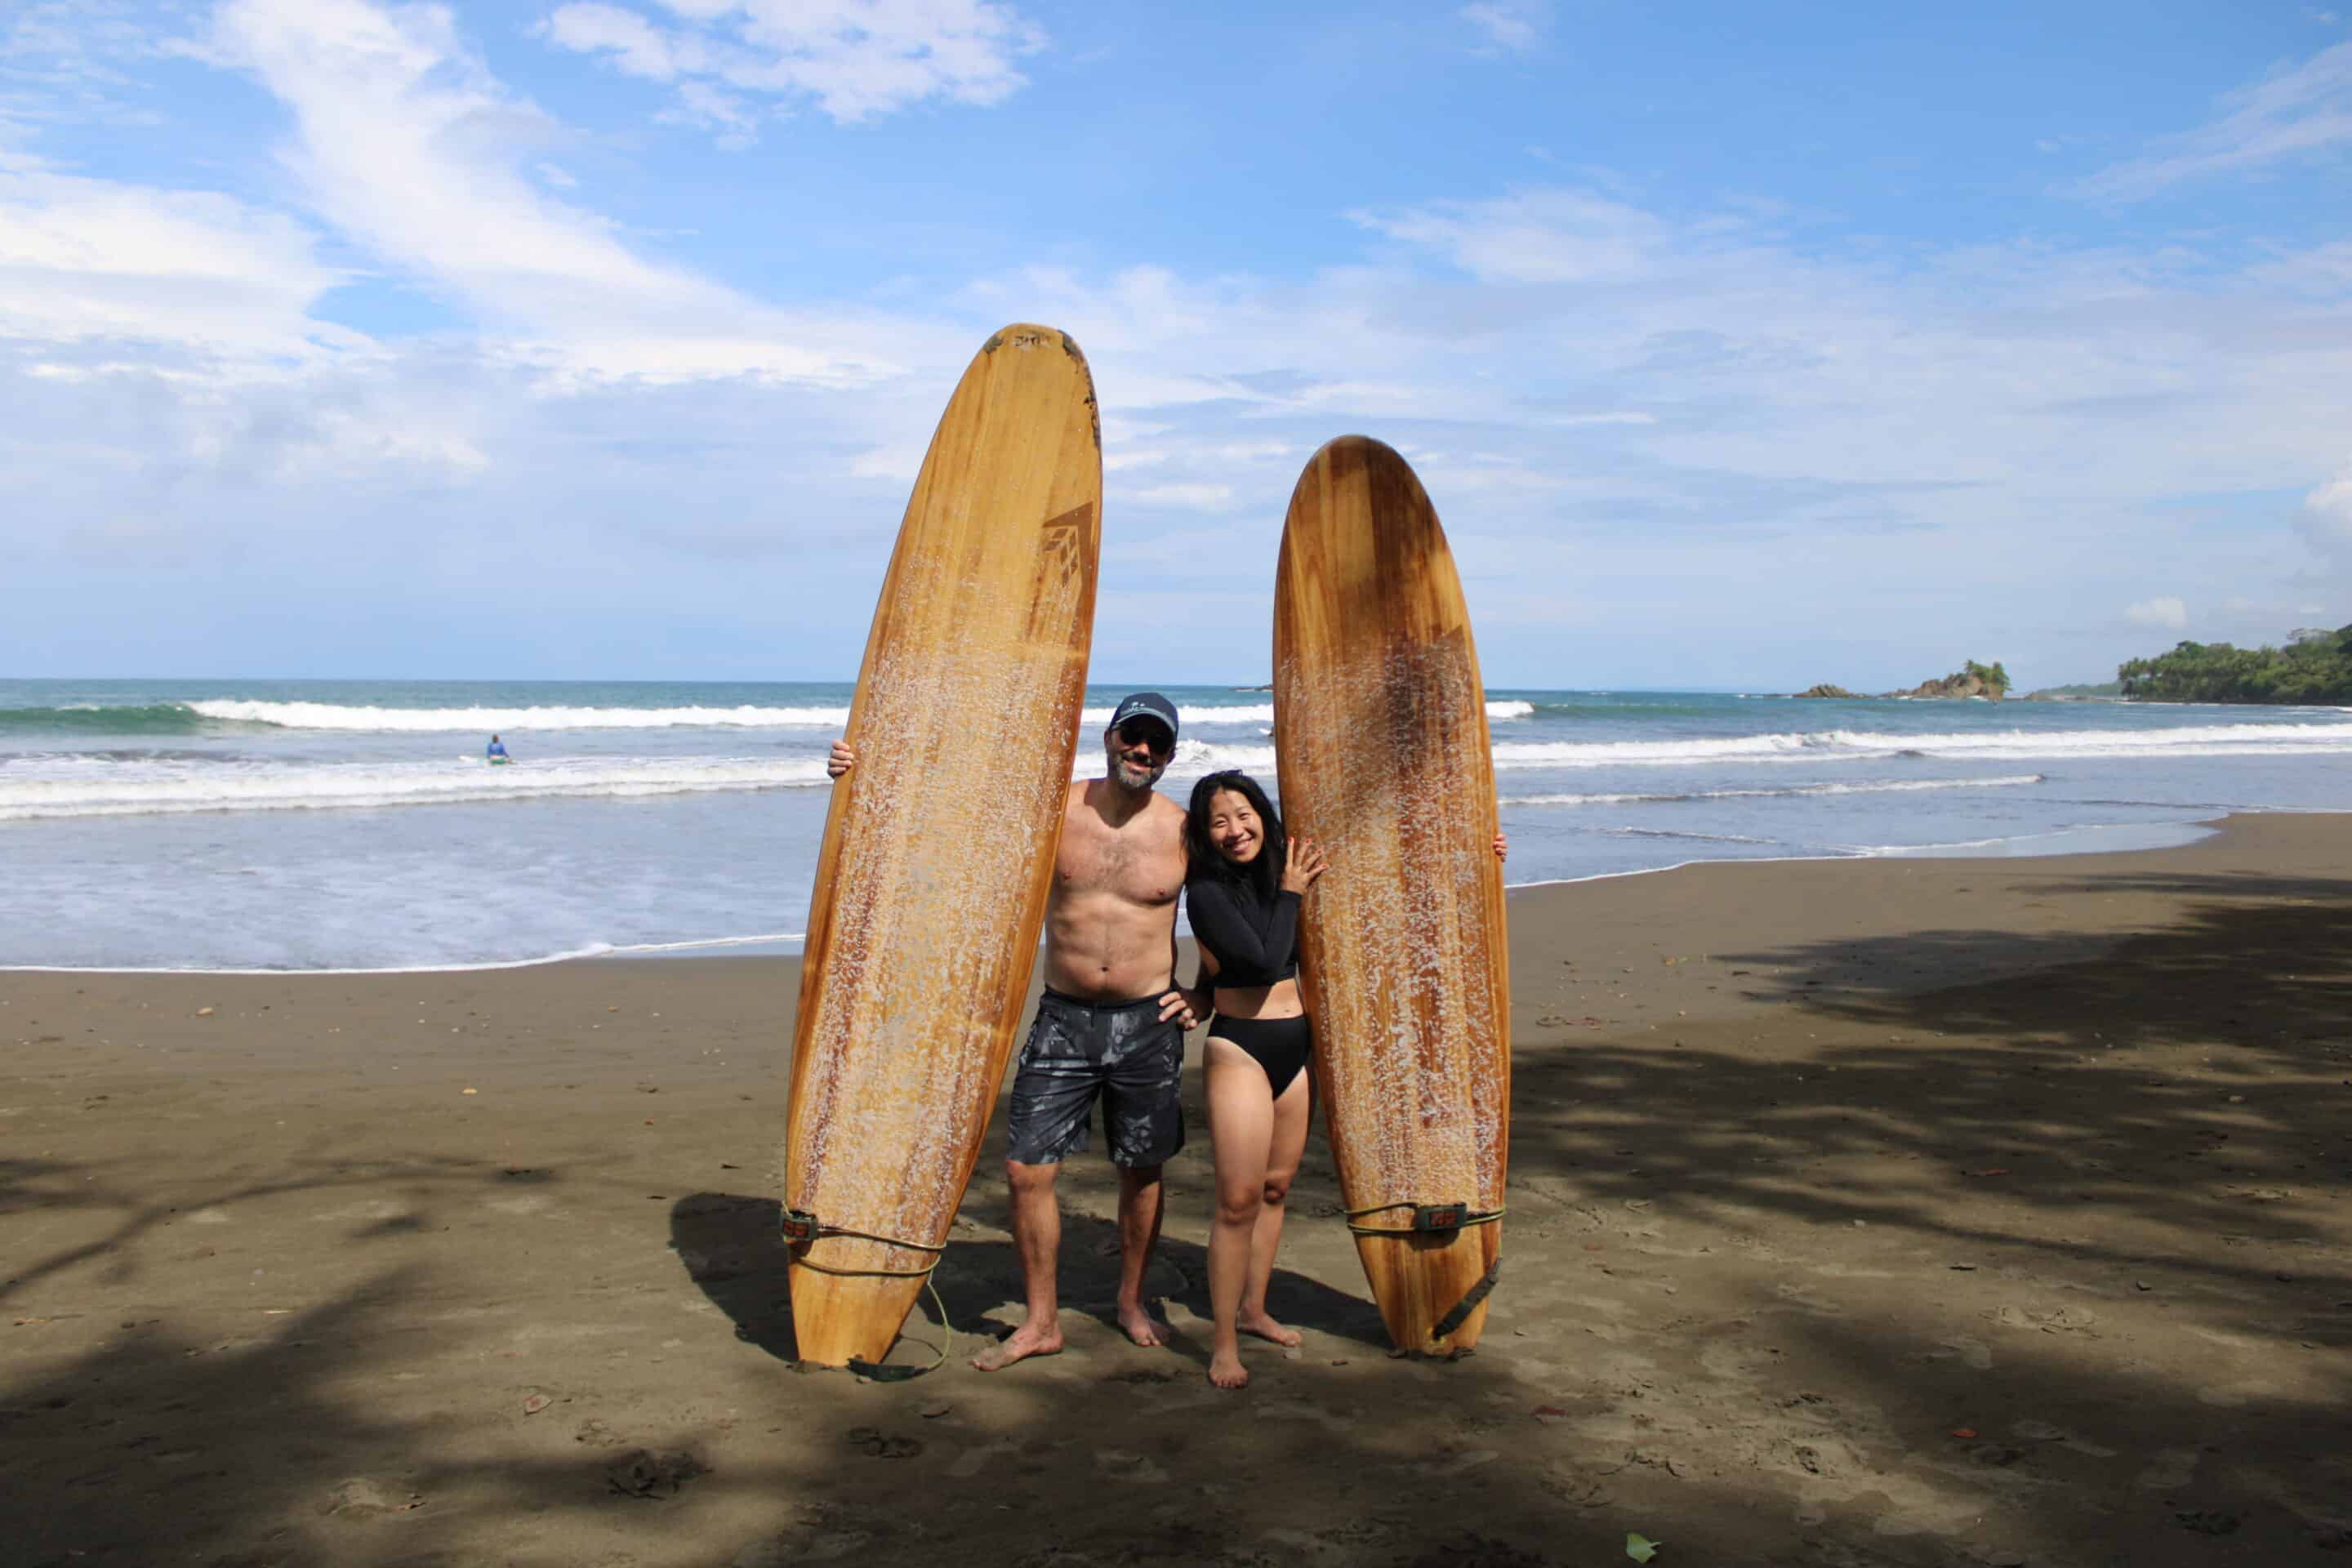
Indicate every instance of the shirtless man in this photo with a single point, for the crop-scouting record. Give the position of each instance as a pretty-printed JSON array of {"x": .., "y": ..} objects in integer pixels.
[{"x": 1111, "y": 1022}]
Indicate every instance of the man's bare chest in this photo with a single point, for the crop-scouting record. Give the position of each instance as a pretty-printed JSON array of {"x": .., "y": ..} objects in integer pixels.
[{"x": 1140, "y": 867}]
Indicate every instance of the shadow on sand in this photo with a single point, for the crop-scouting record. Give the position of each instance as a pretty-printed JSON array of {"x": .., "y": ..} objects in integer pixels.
[{"x": 730, "y": 1246}]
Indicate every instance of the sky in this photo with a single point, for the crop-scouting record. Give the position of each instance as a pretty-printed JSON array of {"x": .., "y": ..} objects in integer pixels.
[{"x": 1739, "y": 346}]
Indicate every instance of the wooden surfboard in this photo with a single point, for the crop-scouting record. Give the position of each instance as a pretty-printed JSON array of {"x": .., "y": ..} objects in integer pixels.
[
  {"x": 939, "y": 847},
  {"x": 1380, "y": 724}
]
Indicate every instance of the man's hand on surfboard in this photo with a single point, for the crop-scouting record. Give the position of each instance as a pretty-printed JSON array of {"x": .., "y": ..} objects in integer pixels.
[
  {"x": 1187, "y": 1007},
  {"x": 1502, "y": 847},
  {"x": 841, "y": 759}
]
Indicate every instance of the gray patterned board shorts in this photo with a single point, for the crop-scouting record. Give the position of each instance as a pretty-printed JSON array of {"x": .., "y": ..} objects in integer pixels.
[{"x": 1117, "y": 1049}]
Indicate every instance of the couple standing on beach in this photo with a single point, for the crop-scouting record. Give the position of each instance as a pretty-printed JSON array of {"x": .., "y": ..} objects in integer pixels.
[{"x": 1112, "y": 1021}]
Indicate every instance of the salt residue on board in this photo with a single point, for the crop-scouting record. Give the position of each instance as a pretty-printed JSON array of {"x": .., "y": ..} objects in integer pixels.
[{"x": 1417, "y": 1077}]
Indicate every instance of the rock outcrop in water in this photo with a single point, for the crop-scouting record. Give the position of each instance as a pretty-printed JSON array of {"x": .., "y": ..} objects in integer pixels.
[
  {"x": 1967, "y": 683},
  {"x": 1987, "y": 682}
]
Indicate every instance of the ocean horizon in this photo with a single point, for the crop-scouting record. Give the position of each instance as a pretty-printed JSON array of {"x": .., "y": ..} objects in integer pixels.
[{"x": 230, "y": 823}]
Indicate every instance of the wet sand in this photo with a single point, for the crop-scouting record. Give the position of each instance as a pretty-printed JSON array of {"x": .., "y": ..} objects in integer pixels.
[{"x": 1867, "y": 1212}]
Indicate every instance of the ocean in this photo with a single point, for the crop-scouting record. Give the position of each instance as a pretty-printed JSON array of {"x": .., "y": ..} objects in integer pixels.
[{"x": 255, "y": 824}]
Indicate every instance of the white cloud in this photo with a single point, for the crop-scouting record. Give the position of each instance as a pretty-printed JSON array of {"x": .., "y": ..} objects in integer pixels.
[
  {"x": 855, "y": 58},
  {"x": 84, "y": 259},
  {"x": 2326, "y": 519},
  {"x": 407, "y": 143},
  {"x": 1193, "y": 497},
  {"x": 2295, "y": 113},
  {"x": 1619, "y": 416},
  {"x": 1541, "y": 237},
  {"x": 2167, "y": 611},
  {"x": 63, "y": 62},
  {"x": 632, "y": 43},
  {"x": 1514, "y": 24}
]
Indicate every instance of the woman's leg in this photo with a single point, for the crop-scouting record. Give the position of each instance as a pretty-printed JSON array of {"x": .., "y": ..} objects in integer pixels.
[
  {"x": 1294, "y": 1109},
  {"x": 1241, "y": 1124}
]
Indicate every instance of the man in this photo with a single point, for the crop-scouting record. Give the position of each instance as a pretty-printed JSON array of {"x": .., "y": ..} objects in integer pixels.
[
  {"x": 1111, "y": 1022},
  {"x": 497, "y": 753}
]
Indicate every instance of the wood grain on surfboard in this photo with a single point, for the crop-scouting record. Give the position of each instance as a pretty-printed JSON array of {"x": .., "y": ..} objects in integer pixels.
[
  {"x": 939, "y": 847},
  {"x": 1381, "y": 735}
]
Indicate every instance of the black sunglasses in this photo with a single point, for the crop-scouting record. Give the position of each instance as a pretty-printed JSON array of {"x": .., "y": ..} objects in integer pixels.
[{"x": 1146, "y": 732}]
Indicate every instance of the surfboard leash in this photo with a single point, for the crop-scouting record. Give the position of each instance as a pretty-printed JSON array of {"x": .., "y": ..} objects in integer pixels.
[
  {"x": 1463, "y": 1309},
  {"x": 1428, "y": 1219},
  {"x": 803, "y": 1228}
]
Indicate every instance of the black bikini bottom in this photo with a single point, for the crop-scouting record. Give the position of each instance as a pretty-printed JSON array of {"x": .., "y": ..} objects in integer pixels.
[{"x": 1278, "y": 1045}]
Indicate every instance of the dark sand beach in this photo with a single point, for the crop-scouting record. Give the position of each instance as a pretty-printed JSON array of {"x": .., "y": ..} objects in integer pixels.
[{"x": 1899, "y": 1212}]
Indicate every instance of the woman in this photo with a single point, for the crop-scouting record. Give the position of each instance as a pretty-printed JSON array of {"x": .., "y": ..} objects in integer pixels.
[{"x": 1243, "y": 890}]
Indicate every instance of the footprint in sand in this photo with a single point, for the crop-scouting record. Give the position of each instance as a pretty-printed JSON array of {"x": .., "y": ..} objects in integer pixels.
[
  {"x": 2043, "y": 1432},
  {"x": 2172, "y": 1469},
  {"x": 1973, "y": 1353},
  {"x": 1123, "y": 1465},
  {"x": 1304, "y": 1410},
  {"x": 971, "y": 1461},
  {"x": 358, "y": 1497}
]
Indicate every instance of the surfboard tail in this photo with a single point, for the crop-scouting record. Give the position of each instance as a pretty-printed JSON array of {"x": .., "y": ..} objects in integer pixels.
[
  {"x": 1431, "y": 1289},
  {"x": 840, "y": 1319}
]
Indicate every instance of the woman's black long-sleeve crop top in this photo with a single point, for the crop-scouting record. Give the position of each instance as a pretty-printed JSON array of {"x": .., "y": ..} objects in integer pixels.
[{"x": 1254, "y": 942}]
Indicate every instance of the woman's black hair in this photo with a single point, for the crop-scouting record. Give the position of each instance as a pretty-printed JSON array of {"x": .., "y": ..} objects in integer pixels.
[{"x": 1266, "y": 871}]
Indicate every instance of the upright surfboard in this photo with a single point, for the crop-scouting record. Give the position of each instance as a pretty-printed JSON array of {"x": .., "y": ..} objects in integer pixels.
[
  {"x": 1380, "y": 725},
  {"x": 939, "y": 847}
]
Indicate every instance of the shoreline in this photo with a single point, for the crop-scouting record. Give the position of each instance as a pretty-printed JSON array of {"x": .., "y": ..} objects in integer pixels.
[{"x": 787, "y": 945}]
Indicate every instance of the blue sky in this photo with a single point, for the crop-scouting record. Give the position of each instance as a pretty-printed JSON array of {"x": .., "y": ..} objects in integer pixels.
[{"x": 1739, "y": 345}]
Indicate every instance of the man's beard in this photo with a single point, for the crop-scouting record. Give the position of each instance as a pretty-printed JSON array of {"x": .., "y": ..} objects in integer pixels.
[{"x": 1129, "y": 776}]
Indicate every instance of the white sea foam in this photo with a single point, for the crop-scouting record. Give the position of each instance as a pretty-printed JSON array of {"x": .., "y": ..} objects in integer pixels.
[
  {"x": 458, "y": 720},
  {"x": 1194, "y": 758},
  {"x": 1192, "y": 714},
  {"x": 1818, "y": 745},
  {"x": 426, "y": 721},
  {"x": 132, "y": 791},
  {"x": 1880, "y": 786}
]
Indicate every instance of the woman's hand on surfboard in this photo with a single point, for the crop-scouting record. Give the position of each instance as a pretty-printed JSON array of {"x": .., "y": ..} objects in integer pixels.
[
  {"x": 1306, "y": 864},
  {"x": 840, "y": 761},
  {"x": 1502, "y": 846},
  {"x": 1187, "y": 1007}
]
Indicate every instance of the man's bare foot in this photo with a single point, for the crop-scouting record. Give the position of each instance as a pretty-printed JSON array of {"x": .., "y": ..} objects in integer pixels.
[
  {"x": 1265, "y": 1327},
  {"x": 1226, "y": 1371},
  {"x": 1023, "y": 1342},
  {"x": 1142, "y": 1327}
]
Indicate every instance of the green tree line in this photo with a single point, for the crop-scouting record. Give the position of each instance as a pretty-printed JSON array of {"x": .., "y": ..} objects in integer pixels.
[{"x": 2314, "y": 666}]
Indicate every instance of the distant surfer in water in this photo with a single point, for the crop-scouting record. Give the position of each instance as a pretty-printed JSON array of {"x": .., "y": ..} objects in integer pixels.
[
  {"x": 1111, "y": 1023},
  {"x": 497, "y": 753},
  {"x": 1246, "y": 887}
]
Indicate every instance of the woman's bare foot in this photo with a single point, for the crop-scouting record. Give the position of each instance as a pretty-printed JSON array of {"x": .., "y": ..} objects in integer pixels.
[
  {"x": 1226, "y": 1371},
  {"x": 1265, "y": 1327},
  {"x": 1142, "y": 1327},
  {"x": 1023, "y": 1342}
]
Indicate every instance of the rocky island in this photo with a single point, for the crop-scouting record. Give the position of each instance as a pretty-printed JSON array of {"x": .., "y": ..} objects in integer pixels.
[{"x": 1990, "y": 681}]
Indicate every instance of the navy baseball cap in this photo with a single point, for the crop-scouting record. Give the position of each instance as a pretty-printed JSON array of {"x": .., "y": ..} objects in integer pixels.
[{"x": 1145, "y": 705}]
